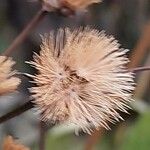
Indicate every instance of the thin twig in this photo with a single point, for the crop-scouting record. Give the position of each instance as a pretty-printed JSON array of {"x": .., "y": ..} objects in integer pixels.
[
  {"x": 139, "y": 69},
  {"x": 28, "y": 105},
  {"x": 42, "y": 139},
  {"x": 142, "y": 82},
  {"x": 28, "y": 29}
]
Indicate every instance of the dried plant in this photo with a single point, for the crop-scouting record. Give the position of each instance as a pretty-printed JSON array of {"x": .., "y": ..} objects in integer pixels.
[
  {"x": 82, "y": 79},
  {"x": 80, "y": 4},
  {"x": 8, "y": 83},
  {"x": 10, "y": 144},
  {"x": 50, "y": 5}
]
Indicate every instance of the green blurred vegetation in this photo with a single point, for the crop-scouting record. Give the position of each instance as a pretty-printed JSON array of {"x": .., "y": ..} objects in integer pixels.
[
  {"x": 138, "y": 135},
  {"x": 125, "y": 137}
]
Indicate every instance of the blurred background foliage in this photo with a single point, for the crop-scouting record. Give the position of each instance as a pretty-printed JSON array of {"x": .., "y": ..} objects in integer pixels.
[{"x": 126, "y": 20}]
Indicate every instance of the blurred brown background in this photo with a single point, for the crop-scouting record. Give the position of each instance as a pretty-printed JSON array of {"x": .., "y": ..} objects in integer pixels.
[{"x": 128, "y": 21}]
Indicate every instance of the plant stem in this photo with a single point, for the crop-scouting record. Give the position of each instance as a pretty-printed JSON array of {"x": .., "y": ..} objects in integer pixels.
[
  {"x": 139, "y": 69},
  {"x": 42, "y": 139},
  {"x": 93, "y": 139},
  {"x": 141, "y": 48},
  {"x": 28, "y": 105},
  {"x": 28, "y": 29}
]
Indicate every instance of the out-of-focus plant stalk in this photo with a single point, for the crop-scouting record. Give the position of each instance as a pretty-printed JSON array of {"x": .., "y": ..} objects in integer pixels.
[
  {"x": 92, "y": 139},
  {"x": 27, "y": 30},
  {"x": 42, "y": 140},
  {"x": 141, "y": 48}
]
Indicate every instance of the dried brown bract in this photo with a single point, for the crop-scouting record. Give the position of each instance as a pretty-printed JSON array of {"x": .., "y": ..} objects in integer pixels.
[
  {"x": 79, "y": 4},
  {"x": 82, "y": 79},
  {"x": 74, "y": 5},
  {"x": 10, "y": 144},
  {"x": 8, "y": 83}
]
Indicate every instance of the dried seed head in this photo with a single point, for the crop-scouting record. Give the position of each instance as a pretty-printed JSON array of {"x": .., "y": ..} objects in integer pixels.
[
  {"x": 10, "y": 144},
  {"x": 82, "y": 79},
  {"x": 79, "y": 4},
  {"x": 50, "y": 5},
  {"x": 8, "y": 83}
]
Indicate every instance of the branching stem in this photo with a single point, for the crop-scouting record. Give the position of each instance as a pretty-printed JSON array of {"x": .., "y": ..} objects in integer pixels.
[{"x": 27, "y": 30}]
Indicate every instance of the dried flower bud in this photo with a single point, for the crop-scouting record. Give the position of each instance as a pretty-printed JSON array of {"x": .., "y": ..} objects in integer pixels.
[
  {"x": 79, "y": 4},
  {"x": 50, "y": 5},
  {"x": 10, "y": 144},
  {"x": 82, "y": 79},
  {"x": 8, "y": 83}
]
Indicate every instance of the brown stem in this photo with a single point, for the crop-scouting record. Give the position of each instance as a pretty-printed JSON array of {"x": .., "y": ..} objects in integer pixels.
[
  {"x": 92, "y": 139},
  {"x": 139, "y": 69},
  {"x": 28, "y": 29},
  {"x": 42, "y": 139},
  {"x": 28, "y": 105},
  {"x": 141, "y": 48}
]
